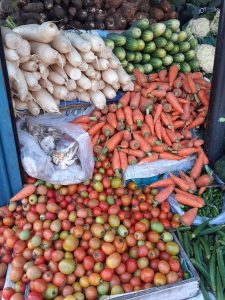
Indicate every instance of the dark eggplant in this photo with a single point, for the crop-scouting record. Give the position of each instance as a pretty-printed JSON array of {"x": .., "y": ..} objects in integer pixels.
[
  {"x": 81, "y": 15},
  {"x": 100, "y": 14},
  {"x": 30, "y": 15},
  {"x": 57, "y": 12},
  {"x": 48, "y": 4},
  {"x": 34, "y": 7},
  {"x": 77, "y": 4},
  {"x": 90, "y": 18},
  {"x": 72, "y": 11},
  {"x": 110, "y": 23},
  {"x": 140, "y": 15},
  {"x": 98, "y": 4},
  {"x": 62, "y": 26},
  {"x": 43, "y": 18},
  {"x": 75, "y": 24},
  {"x": 31, "y": 21},
  {"x": 91, "y": 10},
  {"x": 121, "y": 22},
  {"x": 128, "y": 10},
  {"x": 99, "y": 25},
  {"x": 87, "y": 3},
  {"x": 111, "y": 11},
  {"x": 113, "y": 3},
  {"x": 89, "y": 25},
  {"x": 144, "y": 6},
  {"x": 22, "y": 2}
]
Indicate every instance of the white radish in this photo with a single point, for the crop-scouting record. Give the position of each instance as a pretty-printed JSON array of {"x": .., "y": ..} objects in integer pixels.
[
  {"x": 23, "y": 48},
  {"x": 71, "y": 85},
  {"x": 80, "y": 89},
  {"x": 11, "y": 54},
  {"x": 16, "y": 63},
  {"x": 98, "y": 75},
  {"x": 44, "y": 71},
  {"x": 97, "y": 43},
  {"x": 110, "y": 76},
  {"x": 29, "y": 66},
  {"x": 70, "y": 96},
  {"x": 116, "y": 86},
  {"x": 46, "y": 101},
  {"x": 44, "y": 33},
  {"x": 109, "y": 92},
  {"x": 90, "y": 72},
  {"x": 78, "y": 42},
  {"x": 56, "y": 78},
  {"x": 84, "y": 82},
  {"x": 46, "y": 84},
  {"x": 114, "y": 62},
  {"x": 106, "y": 53},
  {"x": 20, "y": 105},
  {"x": 32, "y": 81},
  {"x": 11, "y": 39},
  {"x": 24, "y": 59},
  {"x": 128, "y": 87},
  {"x": 62, "y": 60},
  {"x": 94, "y": 85},
  {"x": 101, "y": 84},
  {"x": 98, "y": 98},
  {"x": 18, "y": 80},
  {"x": 84, "y": 66},
  {"x": 89, "y": 57},
  {"x": 60, "y": 92},
  {"x": 74, "y": 58},
  {"x": 72, "y": 72},
  {"x": 61, "y": 43},
  {"x": 37, "y": 75},
  {"x": 124, "y": 78},
  {"x": 60, "y": 71},
  {"x": 84, "y": 96},
  {"x": 101, "y": 64},
  {"x": 33, "y": 108},
  {"x": 45, "y": 52}
]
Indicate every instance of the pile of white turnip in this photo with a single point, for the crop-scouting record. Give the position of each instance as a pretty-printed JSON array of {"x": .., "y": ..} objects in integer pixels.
[{"x": 46, "y": 65}]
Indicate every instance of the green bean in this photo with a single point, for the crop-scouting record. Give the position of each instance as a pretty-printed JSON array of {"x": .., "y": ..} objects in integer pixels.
[
  {"x": 212, "y": 271},
  {"x": 221, "y": 265},
  {"x": 219, "y": 287}
]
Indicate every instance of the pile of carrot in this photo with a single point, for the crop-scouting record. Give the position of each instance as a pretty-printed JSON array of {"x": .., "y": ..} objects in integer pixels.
[
  {"x": 187, "y": 189},
  {"x": 153, "y": 122}
]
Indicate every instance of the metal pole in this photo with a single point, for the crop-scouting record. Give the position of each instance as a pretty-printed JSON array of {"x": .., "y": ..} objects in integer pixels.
[{"x": 215, "y": 131}]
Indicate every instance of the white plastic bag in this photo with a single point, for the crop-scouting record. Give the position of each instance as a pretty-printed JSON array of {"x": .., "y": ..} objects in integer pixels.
[{"x": 38, "y": 164}]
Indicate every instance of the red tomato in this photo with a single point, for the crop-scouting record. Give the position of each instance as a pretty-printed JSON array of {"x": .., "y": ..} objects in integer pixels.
[
  {"x": 88, "y": 263},
  {"x": 34, "y": 296},
  {"x": 155, "y": 211},
  {"x": 165, "y": 207},
  {"x": 154, "y": 264},
  {"x": 147, "y": 275},
  {"x": 174, "y": 264},
  {"x": 7, "y": 293},
  {"x": 163, "y": 267},
  {"x": 131, "y": 265},
  {"x": 106, "y": 274}
]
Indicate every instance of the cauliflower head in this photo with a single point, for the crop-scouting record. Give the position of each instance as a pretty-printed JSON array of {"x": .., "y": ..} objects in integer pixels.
[
  {"x": 205, "y": 54},
  {"x": 200, "y": 27},
  {"x": 215, "y": 23}
]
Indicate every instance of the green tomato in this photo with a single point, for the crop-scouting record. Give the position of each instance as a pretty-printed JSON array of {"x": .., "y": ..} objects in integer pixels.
[
  {"x": 116, "y": 183},
  {"x": 98, "y": 186},
  {"x": 172, "y": 248},
  {"x": 157, "y": 226}
]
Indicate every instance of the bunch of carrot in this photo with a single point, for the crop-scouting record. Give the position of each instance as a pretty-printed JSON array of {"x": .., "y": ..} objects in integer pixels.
[
  {"x": 152, "y": 122},
  {"x": 187, "y": 188}
]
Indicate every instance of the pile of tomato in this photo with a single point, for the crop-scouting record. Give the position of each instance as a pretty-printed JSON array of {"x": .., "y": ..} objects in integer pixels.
[{"x": 87, "y": 241}]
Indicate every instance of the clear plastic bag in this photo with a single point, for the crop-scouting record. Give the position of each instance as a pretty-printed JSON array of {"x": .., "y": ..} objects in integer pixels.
[{"x": 54, "y": 150}]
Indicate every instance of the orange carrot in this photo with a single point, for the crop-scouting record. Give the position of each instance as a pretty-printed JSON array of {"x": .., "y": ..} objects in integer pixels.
[
  {"x": 191, "y": 84},
  {"x": 135, "y": 100},
  {"x": 186, "y": 109},
  {"x": 84, "y": 126},
  {"x": 167, "y": 107},
  {"x": 160, "y": 94},
  {"x": 198, "y": 142},
  {"x": 158, "y": 111},
  {"x": 111, "y": 119},
  {"x": 177, "y": 92},
  {"x": 169, "y": 156},
  {"x": 95, "y": 139},
  {"x": 177, "y": 146},
  {"x": 205, "y": 159},
  {"x": 165, "y": 120},
  {"x": 189, "y": 180},
  {"x": 124, "y": 100},
  {"x": 25, "y": 192},
  {"x": 114, "y": 141},
  {"x": 149, "y": 121},
  {"x": 132, "y": 160},
  {"x": 164, "y": 194},
  {"x": 137, "y": 153},
  {"x": 94, "y": 129},
  {"x": 159, "y": 148},
  {"x": 138, "y": 117},
  {"x": 204, "y": 180},
  {"x": 187, "y": 151},
  {"x": 186, "y": 199},
  {"x": 153, "y": 77},
  {"x": 178, "y": 82},
  {"x": 203, "y": 98},
  {"x": 146, "y": 105},
  {"x": 140, "y": 77},
  {"x": 163, "y": 86},
  {"x": 124, "y": 144},
  {"x": 202, "y": 189},
  {"x": 137, "y": 87},
  {"x": 162, "y": 74},
  {"x": 197, "y": 168},
  {"x": 97, "y": 114},
  {"x": 127, "y": 136},
  {"x": 83, "y": 119},
  {"x": 143, "y": 144},
  {"x": 189, "y": 216},
  {"x": 187, "y": 134},
  {"x": 172, "y": 135},
  {"x": 149, "y": 159},
  {"x": 116, "y": 162},
  {"x": 171, "y": 98},
  {"x": 158, "y": 129},
  {"x": 120, "y": 115},
  {"x": 151, "y": 87},
  {"x": 123, "y": 160},
  {"x": 178, "y": 124},
  {"x": 153, "y": 141},
  {"x": 162, "y": 183},
  {"x": 112, "y": 107},
  {"x": 199, "y": 120},
  {"x": 180, "y": 182},
  {"x": 196, "y": 75},
  {"x": 128, "y": 115},
  {"x": 120, "y": 126},
  {"x": 165, "y": 137},
  {"x": 173, "y": 72},
  {"x": 134, "y": 145},
  {"x": 108, "y": 130},
  {"x": 145, "y": 131}
]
